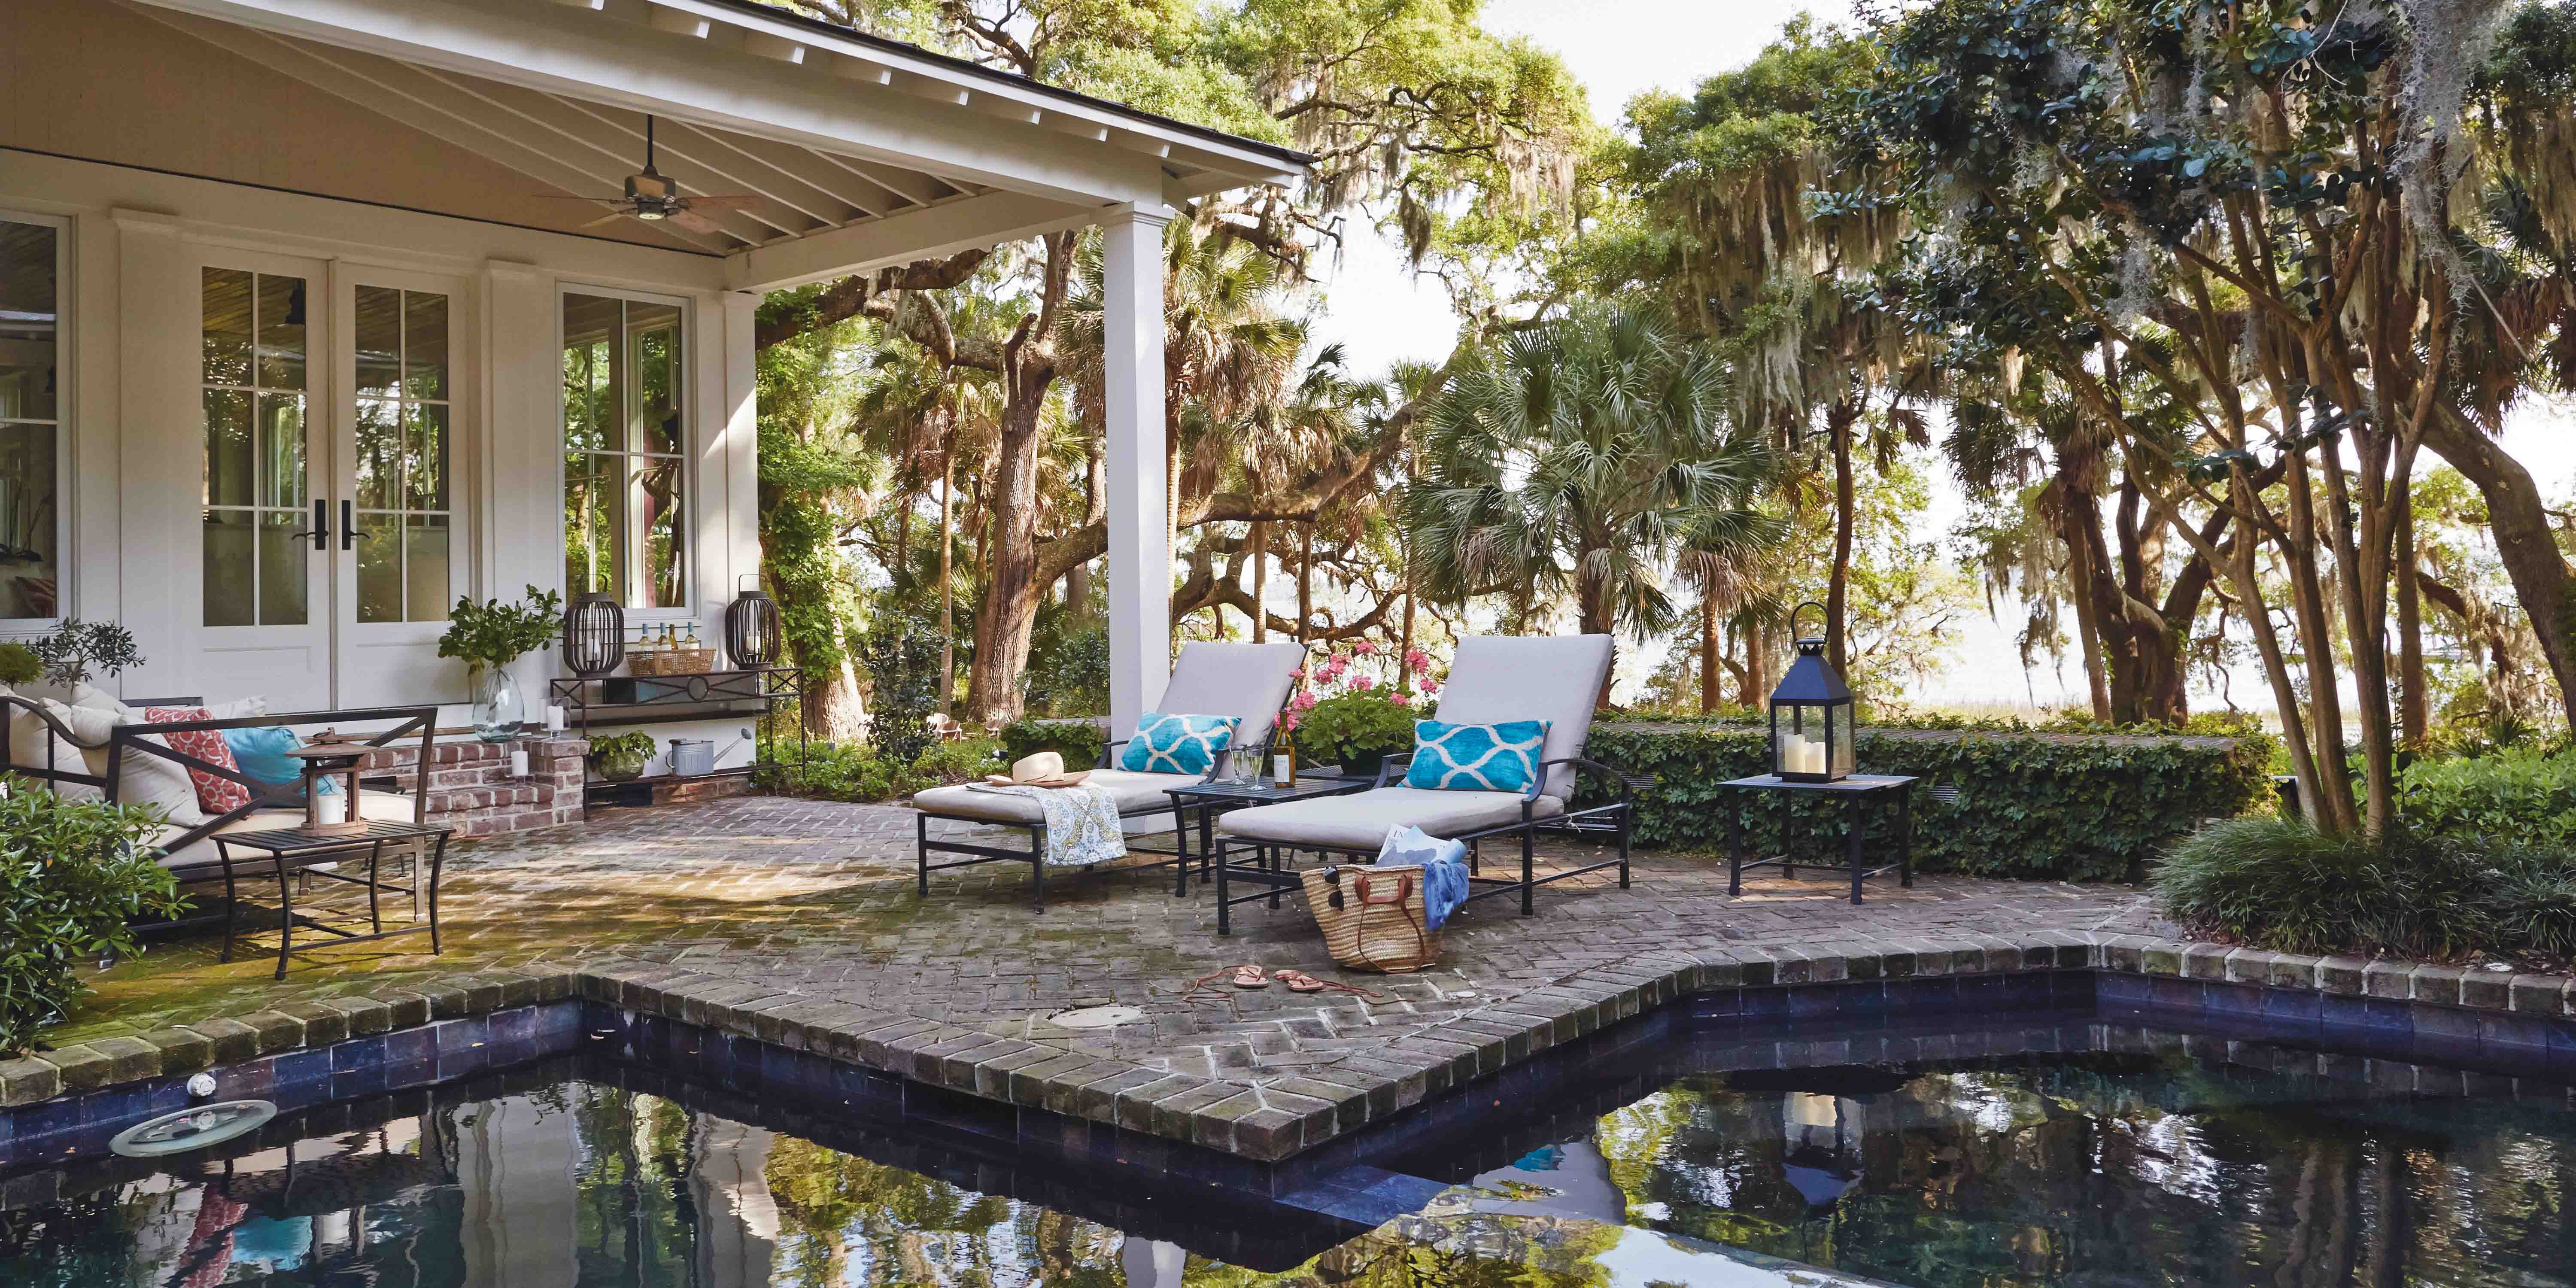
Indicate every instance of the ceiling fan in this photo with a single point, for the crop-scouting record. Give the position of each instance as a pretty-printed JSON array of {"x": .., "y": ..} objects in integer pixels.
[{"x": 651, "y": 196}]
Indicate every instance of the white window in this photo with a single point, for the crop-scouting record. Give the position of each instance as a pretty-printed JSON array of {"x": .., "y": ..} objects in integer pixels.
[
  {"x": 625, "y": 430},
  {"x": 32, "y": 401}
]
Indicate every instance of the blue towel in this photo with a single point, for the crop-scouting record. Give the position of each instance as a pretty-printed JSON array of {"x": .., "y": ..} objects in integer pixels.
[{"x": 1444, "y": 870}]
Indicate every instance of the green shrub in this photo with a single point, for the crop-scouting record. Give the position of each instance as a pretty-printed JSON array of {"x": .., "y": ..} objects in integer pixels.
[
  {"x": 1068, "y": 670},
  {"x": 2520, "y": 795},
  {"x": 20, "y": 665},
  {"x": 832, "y": 772},
  {"x": 1078, "y": 741},
  {"x": 72, "y": 878},
  {"x": 2279, "y": 884},
  {"x": 900, "y": 653},
  {"x": 1340, "y": 729},
  {"x": 2077, "y": 807}
]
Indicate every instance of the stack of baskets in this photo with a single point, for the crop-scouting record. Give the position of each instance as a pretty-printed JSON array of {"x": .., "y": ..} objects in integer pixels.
[{"x": 670, "y": 661}]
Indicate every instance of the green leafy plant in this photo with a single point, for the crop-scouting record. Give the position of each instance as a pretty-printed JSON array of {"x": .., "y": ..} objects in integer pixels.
[
  {"x": 494, "y": 634},
  {"x": 74, "y": 875},
  {"x": 622, "y": 756},
  {"x": 2084, "y": 807},
  {"x": 20, "y": 665},
  {"x": 850, "y": 773},
  {"x": 2519, "y": 795},
  {"x": 78, "y": 651},
  {"x": 1354, "y": 729},
  {"x": 900, "y": 653},
  {"x": 2280, "y": 884},
  {"x": 1078, "y": 741}
]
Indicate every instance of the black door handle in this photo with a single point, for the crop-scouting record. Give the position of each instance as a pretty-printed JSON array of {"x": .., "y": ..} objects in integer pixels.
[
  {"x": 321, "y": 529},
  {"x": 348, "y": 527}
]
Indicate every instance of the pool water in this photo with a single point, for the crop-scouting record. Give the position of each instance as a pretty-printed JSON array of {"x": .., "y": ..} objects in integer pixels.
[{"x": 2096, "y": 1170}]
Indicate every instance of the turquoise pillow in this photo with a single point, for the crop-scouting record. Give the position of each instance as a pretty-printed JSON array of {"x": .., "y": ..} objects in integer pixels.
[
  {"x": 1476, "y": 758},
  {"x": 261, "y": 752},
  {"x": 1177, "y": 744}
]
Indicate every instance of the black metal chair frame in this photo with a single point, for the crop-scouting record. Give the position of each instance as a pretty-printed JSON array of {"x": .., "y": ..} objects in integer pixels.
[
  {"x": 1274, "y": 859},
  {"x": 136, "y": 739},
  {"x": 1035, "y": 854}
]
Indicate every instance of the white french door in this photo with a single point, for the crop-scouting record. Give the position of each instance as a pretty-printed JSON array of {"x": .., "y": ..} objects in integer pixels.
[{"x": 332, "y": 542}]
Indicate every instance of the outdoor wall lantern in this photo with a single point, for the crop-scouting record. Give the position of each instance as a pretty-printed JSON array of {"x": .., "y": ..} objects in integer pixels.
[
  {"x": 594, "y": 635},
  {"x": 752, "y": 631},
  {"x": 1813, "y": 744}
]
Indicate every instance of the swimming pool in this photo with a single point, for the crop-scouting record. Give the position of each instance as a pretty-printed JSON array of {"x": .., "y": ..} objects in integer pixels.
[{"x": 2054, "y": 1150}]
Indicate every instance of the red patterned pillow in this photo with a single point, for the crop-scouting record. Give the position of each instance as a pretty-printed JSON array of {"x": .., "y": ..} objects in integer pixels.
[{"x": 215, "y": 793}]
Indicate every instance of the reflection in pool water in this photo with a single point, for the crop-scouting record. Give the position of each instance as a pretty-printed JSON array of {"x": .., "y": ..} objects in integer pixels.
[{"x": 2094, "y": 1171}]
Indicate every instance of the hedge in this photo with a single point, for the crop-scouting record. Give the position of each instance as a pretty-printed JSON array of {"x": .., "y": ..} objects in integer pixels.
[{"x": 2083, "y": 807}]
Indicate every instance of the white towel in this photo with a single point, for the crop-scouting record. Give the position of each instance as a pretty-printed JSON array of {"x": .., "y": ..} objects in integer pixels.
[{"x": 1082, "y": 825}]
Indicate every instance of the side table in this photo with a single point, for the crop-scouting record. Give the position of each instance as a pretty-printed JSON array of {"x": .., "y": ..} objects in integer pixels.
[
  {"x": 289, "y": 851},
  {"x": 1882, "y": 789},
  {"x": 1209, "y": 800}
]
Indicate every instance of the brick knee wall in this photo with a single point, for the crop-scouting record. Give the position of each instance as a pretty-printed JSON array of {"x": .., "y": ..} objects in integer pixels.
[{"x": 470, "y": 788}]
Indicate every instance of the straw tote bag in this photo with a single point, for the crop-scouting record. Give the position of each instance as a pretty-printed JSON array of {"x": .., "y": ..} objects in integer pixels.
[{"x": 1372, "y": 917}]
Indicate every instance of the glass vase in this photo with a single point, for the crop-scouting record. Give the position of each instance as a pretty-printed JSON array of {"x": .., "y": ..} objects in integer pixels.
[{"x": 499, "y": 709}]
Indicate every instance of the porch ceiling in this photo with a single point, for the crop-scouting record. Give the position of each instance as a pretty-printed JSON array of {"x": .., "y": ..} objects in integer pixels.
[{"x": 849, "y": 152}]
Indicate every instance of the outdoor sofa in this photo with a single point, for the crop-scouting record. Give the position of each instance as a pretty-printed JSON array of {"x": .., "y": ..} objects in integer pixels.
[
  {"x": 1493, "y": 679},
  {"x": 1250, "y": 681}
]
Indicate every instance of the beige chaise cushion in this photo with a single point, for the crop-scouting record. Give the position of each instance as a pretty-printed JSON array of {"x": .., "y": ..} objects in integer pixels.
[
  {"x": 1556, "y": 678},
  {"x": 1132, "y": 791},
  {"x": 1361, "y": 822},
  {"x": 386, "y": 807}
]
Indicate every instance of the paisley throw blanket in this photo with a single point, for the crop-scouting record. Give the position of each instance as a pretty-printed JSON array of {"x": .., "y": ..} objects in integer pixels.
[{"x": 1081, "y": 823}]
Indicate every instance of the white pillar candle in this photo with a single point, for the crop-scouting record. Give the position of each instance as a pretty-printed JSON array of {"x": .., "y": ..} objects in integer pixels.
[
  {"x": 554, "y": 719},
  {"x": 518, "y": 762},
  {"x": 331, "y": 809}
]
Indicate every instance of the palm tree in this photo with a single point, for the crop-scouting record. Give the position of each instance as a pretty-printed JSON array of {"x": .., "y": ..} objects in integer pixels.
[{"x": 1575, "y": 461}]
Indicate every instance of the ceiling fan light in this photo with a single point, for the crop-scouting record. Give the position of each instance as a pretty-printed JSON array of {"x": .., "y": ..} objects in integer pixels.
[{"x": 648, "y": 213}]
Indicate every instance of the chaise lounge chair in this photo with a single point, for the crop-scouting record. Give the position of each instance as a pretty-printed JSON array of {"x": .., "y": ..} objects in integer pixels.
[
  {"x": 1251, "y": 681},
  {"x": 1495, "y": 679}
]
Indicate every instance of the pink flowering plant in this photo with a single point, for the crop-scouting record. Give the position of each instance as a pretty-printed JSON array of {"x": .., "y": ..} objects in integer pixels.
[{"x": 1358, "y": 704}]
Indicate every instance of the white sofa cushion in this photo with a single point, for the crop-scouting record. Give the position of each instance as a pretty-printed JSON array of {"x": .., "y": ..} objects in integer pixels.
[
  {"x": 1132, "y": 791},
  {"x": 1361, "y": 821},
  {"x": 33, "y": 745}
]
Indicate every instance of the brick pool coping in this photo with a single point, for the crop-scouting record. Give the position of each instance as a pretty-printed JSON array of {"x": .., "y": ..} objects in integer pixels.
[{"x": 1264, "y": 1119}]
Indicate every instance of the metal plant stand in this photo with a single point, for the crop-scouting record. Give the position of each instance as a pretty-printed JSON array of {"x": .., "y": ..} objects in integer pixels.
[{"x": 1884, "y": 790}]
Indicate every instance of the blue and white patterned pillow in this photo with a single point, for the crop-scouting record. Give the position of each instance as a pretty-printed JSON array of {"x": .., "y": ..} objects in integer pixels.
[
  {"x": 1177, "y": 744},
  {"x": 1476, "y": 758}
]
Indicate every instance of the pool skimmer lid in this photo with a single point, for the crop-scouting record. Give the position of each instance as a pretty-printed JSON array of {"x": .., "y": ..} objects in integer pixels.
[
  {"x": 1096, "y": 1017},
  {"x": 187, "y": 1129}
]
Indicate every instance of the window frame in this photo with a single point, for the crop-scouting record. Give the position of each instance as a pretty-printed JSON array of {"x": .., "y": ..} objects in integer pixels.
[
  {"x": 686, "y": 537},
  {"x": 66, "y": 409}
]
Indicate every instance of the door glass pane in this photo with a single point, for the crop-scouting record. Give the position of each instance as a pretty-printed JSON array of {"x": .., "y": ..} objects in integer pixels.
[
  {"x": 379, "y": 338},
  {"x": 230, "y": 479},
  {"x": 281, "y": 450},
  {"x": 594, "y": 487},
  {"x": 657, "y": 507},
  {"x": 379, "y": 453},
  {"x": 281, "y": 332},
  {"x": 28, "y": 325},
  {"x": 379, "y": 554},
  {"x": 27, "y": 520},
  {"x": 229, "y": 568},
  {"x": 425, "y": 460},
  {"x": 227, "y": 327},
  {"x": 425, "y": 345},
  {"x": 425, "y": 568},
  {"x": 656, "y": 331},
  {"x": 281, "y": 568}
]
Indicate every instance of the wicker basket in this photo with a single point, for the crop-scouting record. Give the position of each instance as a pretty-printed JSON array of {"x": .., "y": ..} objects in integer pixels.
[
  {"x": 671, "y": 661},
  {"x": 1372, "y": 917}
]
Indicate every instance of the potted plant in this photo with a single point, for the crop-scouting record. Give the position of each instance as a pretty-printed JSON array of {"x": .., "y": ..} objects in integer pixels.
[
  {"x": 620, "y": 757},
  {"x": 1357, "y": 707},
  {"x": 78, "y": 650},
  {"x": 488, "y": 637}
]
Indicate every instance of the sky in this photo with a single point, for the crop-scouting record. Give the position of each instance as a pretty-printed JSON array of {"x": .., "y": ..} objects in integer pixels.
[{"x": 1620, "y": 48}]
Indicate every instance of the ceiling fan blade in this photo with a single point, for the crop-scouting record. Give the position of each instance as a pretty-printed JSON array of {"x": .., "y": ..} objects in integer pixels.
[
  {"x": 694, "y": 222},
  {"x": 728, "y": 201},
  {"x": 563, "y": 196},
  {"x": 608, "y": 219}
]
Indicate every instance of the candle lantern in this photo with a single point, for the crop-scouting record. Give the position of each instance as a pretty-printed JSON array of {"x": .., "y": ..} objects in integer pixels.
[
  {"x": 594, "y": 635},
  {"x": 1811, "y": 716},
  {"x": 333, "y": 812},
  {"x": 752, "y": 630}
]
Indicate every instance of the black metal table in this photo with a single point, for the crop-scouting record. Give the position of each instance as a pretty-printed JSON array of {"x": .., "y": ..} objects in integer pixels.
[
  {"x": 288, "y": 852},
  {"x": 1855, "y": 791},
  {"x": 1211, "y": 799}
]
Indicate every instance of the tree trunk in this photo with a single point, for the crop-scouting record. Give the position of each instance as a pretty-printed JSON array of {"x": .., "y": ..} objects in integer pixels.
[
  {"x": 2276, "y": 664},
  {"x": 2414, "y": 707},
  {"x": 1261, "y": 584},
  {"x": 1838, "y": 425},
  {"x": 1709, "y": 701},
  {"x": 1306, "y": 584},
  {"x": 2316, "y": 644},
  {"x": 2542, "y": 581},
  {"x": 1011, "y": 591},
  {"x": 1590, "y": 620},
  {"x": 1757, "y": 677},
  {"x": 947, "y": 585}
]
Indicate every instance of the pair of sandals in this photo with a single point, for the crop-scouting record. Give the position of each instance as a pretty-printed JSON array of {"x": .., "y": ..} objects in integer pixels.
[{"x": 1298, "y": 981}]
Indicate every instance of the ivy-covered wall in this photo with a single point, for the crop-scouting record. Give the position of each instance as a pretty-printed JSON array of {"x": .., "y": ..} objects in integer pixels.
[
  {"x": 2081, "y": 807},
  {"x": 2072, "y": 806}
]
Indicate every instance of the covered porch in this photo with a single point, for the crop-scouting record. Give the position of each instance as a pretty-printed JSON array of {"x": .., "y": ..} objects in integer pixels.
[{"x": 322, "y": 313}]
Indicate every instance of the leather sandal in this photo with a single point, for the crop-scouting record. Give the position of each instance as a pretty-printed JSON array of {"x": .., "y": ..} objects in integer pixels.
[
  {"x": 1298, "y": 981},
  {"x": 1250, "y": 976}
]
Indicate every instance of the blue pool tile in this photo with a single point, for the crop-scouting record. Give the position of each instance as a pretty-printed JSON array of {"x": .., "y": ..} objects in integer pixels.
[
  {"x": 301, "y": 1068},
  {"x": 1724, "y": 1002},
  {"x": 1861, "y": 1001},
  {"x": 2387, "y": 1016},
  {"x": 1768, "y": 1002},
  {"x": 2561, "y": 1035},
  {"x": 459, "y": 1035},
  {"x": 2516, "y": 1036},
  {"x": 411, "y": 1073},
  {"x": 2293, "y": 1005},
  {"x": 2175, "y": 994},
  {"x": 52, "y": 1118},
  {"x": 518, "y": 1024},
  {"x": 366, "y": 1080},
  {"x": 2445, "y": 1034},
  {"x": 115, "y": 1105},
  {"x": 2130, "y": 990},
  {"x": 2338, "y": 1011},
  {"x": 462, "y": 1061},
  {"x": 405, "y": 1046},
  {"x": 2027, "y": 990},
  {"x": 1981, "y": 992},
  {"x": 2232, "y": 1000},
  {"x": 1808, "y": 1002},
  {"x": 357, "y": 1054},
  {"x": 1934, "y": 993}
]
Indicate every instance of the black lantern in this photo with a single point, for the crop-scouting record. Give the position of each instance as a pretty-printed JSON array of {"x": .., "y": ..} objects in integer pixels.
[
  {"x": 752, "y": 631},
  {"x": 594, "y": 635},
  {"x": 1813, "y": 744}
]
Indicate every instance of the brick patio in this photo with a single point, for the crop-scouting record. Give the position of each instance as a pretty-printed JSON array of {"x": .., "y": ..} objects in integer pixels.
[{"x": 817, "y": 898}]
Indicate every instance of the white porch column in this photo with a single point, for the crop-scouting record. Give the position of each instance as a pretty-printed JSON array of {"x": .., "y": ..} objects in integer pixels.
[{"x": 1140, "y": 569}]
